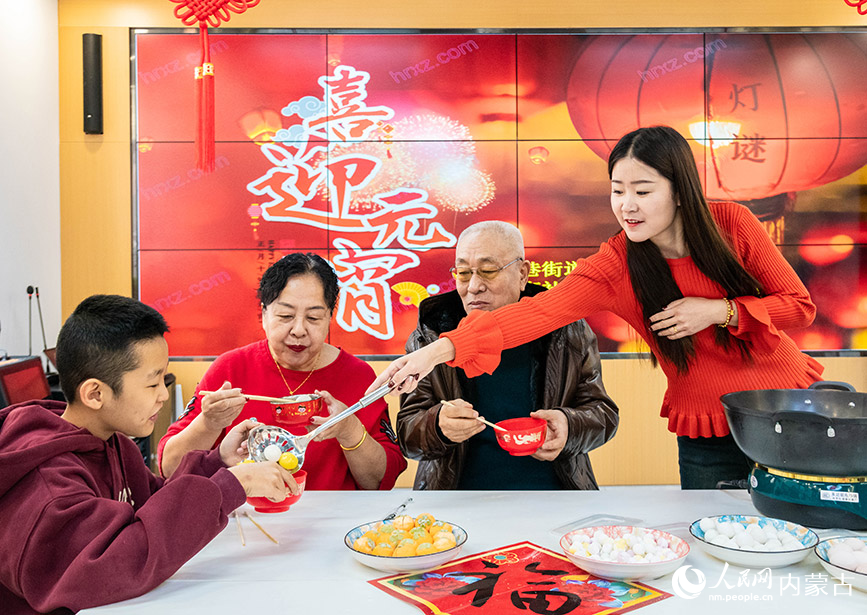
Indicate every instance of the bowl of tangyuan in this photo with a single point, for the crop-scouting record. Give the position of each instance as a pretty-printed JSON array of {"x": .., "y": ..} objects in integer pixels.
[{"x": 753, "y": 541}]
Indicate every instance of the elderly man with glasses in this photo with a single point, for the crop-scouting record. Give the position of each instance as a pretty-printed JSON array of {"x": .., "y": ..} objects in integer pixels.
[{"x": 557, "y": 378}]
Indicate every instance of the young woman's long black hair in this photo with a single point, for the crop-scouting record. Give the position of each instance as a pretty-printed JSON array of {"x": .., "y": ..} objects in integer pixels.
[{"x": 666, "y": 151}]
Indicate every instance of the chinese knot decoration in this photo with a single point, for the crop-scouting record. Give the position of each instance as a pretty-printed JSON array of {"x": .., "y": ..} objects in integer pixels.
[
  {"x": 207, "y": 13},
  {"x": 861, "y": 5}
]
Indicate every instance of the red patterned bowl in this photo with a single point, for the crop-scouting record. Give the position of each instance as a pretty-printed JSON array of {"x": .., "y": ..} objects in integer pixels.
[
  {"x": 297, "y": 410},
  {"x": 264, "y": 505},
  {"x": 523, "y": 436}
]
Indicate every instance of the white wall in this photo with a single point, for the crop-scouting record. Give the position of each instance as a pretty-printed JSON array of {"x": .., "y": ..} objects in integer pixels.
[{"x": 29, "y": 172}]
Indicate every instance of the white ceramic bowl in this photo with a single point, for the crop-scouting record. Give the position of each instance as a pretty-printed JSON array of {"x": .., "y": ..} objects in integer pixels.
[
  {"x": 849, "y": 577},
  {"x": 806, "y": 540},
  {"x": 625, "y": 571},
  {"x": 414, "y": 563}
]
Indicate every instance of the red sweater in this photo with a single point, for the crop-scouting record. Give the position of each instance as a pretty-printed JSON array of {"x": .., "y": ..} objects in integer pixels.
[
  {"x": 83, "y": 522},
  {"x": 252, "y": 369},
  {"x": 601, "y": 282}
]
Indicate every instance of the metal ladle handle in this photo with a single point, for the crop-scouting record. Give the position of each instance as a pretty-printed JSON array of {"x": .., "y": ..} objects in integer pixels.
[{"x": 364, "y": 401}]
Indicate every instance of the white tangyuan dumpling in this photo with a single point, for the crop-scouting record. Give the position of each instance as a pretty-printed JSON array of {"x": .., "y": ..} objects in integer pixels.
[
  {"x": 272, "y": 452},
  {"x": 757, "y": 533},
  {"x": 860, "y": 557},
  {"x": 726, "y": 529},
  {"x": 774, "y": 545},
  {"x": 854, "y": 544},
  {"x": 707, "y": 524},
  {"x": 744, "y": 540},
  {"x": 710, "y": 535},
  {"x": 845, "y": 559}
]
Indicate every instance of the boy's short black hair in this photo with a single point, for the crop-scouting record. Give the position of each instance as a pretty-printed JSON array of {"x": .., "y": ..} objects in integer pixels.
[
  {"x": 278, "y": 275},
  {"x": 98, "y": 339}
]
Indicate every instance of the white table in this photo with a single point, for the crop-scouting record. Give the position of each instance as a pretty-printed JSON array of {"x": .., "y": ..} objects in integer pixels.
[{"x": 311, "y": 571}]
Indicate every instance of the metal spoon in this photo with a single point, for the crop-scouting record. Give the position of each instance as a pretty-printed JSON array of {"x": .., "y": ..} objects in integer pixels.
[{"x": 265, "y": 435}]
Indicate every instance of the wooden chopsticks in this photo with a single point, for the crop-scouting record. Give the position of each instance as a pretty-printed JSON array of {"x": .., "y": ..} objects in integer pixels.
[
  {"x": 273, "y": 400},
  {"x": 253, "y": 521},
  {"x": 478, "y": 418}
]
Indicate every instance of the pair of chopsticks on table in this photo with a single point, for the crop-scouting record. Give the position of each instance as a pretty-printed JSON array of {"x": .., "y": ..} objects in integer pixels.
[
  {"x": 478, "y": 418},
  {"x": 241, "y": 530}
]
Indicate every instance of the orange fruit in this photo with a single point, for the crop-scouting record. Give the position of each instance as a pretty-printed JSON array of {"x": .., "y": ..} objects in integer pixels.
[
  {"x": 396, "y": 536},
  {"x": 425, "y": 548},
  {"x": 405, "y": 548},
  {"x": 365, "y": 545},
  {"x": 383, "y": 548},
  {"x": 403, "y": 522},
  {"x": 447, "y": 536}
]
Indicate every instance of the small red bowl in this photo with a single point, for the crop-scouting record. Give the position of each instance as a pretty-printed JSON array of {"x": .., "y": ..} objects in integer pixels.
[
  {"x": 297, "y": 410},
  {"x": 264, "y": 505},
  {"x": 523, "y": 436}
]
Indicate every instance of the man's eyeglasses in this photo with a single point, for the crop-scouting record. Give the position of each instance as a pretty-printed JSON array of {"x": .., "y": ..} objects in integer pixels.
[{"x": 465, "y": 274}]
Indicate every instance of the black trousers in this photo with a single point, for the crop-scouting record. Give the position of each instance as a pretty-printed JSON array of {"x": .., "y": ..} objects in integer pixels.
[{"x": 704, "y": 462}]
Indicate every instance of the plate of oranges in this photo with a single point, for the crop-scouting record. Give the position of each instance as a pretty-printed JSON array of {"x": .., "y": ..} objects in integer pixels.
[{"x": 406, "y": 543}]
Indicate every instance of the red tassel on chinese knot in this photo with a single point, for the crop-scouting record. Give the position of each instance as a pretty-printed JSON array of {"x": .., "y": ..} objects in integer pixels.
[
  {"x": 205, "y": 12},
  {"x": 205, "y": 129}
]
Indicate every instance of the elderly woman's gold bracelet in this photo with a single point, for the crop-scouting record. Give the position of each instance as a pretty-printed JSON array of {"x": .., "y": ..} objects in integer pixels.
[
  {"x": 730, "y": 311},
  {"x": 360, "y": 442}
]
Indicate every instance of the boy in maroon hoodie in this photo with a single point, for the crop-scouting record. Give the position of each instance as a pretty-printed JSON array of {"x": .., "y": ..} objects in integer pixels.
[{"x": 83, "y": 522}]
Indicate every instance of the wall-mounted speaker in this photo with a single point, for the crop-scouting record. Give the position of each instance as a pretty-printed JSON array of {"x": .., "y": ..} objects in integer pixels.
[{"x": 92, "y": 62}]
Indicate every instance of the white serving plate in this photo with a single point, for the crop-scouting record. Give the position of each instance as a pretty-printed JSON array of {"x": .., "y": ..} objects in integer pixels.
[
  {"x": 849, "y": 577},
  {"x": 626, "y": 571},
  {"x": 415, "y": 563},
  {"x": 806, "y": 538}
]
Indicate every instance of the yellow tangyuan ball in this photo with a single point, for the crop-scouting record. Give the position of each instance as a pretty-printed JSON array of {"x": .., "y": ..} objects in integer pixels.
[
  {"x": 405, "y": 548},
  {"x": 383, "y": 548},
  {"x": 420, "y": 534},
  {"x": 371, "y": 534},
  {"x": 443, "y": 544},
  {"x": 363, "y": 544},
  {"x": 446, "y": 527},
  {"x": 403, "y": 522},
  {"x": 424, "y": 520},
  {"x": 425, "y": 548},
  {"x": 288, "y": 461}
]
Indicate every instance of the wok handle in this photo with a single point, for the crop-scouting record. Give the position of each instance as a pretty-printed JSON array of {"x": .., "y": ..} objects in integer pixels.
[
  {"x": 832, "y": 384},
  {"x": 800, "y": 418}
]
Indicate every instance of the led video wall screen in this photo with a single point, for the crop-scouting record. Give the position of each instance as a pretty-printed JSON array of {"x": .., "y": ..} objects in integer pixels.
[{"x": 375, "y": 150}]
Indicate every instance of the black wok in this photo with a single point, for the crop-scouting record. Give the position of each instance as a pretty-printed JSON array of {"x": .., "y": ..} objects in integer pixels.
[{"x": 813, "y": 431}]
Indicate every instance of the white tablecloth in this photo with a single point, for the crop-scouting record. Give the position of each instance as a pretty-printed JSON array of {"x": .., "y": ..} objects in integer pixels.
[{"x": 311, "y": 571}]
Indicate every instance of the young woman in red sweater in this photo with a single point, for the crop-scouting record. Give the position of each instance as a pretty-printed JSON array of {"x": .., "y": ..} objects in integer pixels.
[{"x": 702, "y": 284}]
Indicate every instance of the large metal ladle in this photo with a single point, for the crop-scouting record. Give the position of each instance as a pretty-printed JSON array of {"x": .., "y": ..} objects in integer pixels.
[{"x": 265, "y": 435}]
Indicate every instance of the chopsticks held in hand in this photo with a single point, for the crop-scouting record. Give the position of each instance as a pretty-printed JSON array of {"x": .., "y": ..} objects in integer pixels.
[
  {"x": 478, "y": 418},
  {"x": 273, "y": 400}
]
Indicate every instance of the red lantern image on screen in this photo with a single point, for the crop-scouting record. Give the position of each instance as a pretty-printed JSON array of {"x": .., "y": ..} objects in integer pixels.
[{"x": 767, "y": 115}]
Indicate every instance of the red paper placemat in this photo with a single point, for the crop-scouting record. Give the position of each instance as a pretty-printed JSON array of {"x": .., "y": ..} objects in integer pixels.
[{"x": 518, "y": 578}]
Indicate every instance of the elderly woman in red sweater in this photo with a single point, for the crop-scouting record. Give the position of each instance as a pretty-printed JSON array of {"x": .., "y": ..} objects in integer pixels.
[{"x": 702, "y": 284}]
